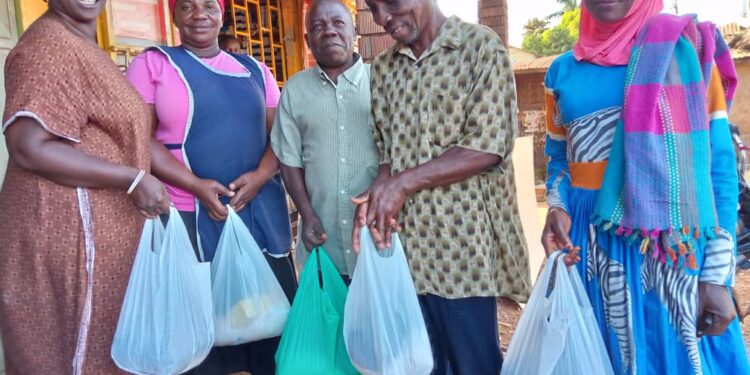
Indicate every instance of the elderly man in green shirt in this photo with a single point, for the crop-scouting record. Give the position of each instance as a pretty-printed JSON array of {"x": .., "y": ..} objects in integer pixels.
[
  {"x": 322, "y": 136},
  {"x": 445, "y": 117}
]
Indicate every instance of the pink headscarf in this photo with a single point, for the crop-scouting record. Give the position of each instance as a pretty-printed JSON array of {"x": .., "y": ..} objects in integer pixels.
[
  {"x": 172, "y": 4},
  {"x": 609, "y": 44}
]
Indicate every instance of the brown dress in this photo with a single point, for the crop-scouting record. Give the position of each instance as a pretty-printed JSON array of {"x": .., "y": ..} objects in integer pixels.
[{"x": 50, "y": 232}]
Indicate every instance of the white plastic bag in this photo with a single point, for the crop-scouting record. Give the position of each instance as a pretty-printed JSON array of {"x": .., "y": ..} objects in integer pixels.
[
  {"x": 249, "y": 304},
  {"x": 558, "y": 333},
  {"x": 166, "y": 325},
  {"x": 384, "y": 330}
]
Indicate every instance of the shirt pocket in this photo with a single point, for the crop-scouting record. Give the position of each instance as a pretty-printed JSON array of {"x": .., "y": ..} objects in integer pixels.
[{"x": 445, "y": 118}]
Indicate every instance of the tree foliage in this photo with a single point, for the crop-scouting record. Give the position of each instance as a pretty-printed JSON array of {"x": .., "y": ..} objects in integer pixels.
[
  {"x": 542, "y": 40},
  {"x": 567, "y": 6}
]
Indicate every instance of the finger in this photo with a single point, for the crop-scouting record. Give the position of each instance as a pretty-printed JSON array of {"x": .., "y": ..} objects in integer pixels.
[
  {"x": 561, "y": 235},
  {"x": 387, "y": 237},
  {"x": 238, "y": 183},
  {"x": 548, "y": 242},
  {"x": 380, "y": 222},
  {"x": 360, "y": 220},
  {"x": 360, "y": 215},
  {"x": 361, "y": 199},
  {"x": 145, "y": 214},
  {"x": 223, "y": 190},
  {"x": 373, "y": 207},
  {"x": 355, "y": 236},
  {"x": 240, "y": 206},
  {"x": 395, "y": 226},
  {"x": 377, "y": 238},
  {"x": 219, "y": 208},
  {"x": 712, "y": 325},
  {"x": 572, "y": 257},
  {"x": 309, "y": 242}
]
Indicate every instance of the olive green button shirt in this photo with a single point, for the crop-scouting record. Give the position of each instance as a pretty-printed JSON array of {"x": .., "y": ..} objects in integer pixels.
[
  {"x": 464, "y": 239},
  {"x": 324, "y": 129}
]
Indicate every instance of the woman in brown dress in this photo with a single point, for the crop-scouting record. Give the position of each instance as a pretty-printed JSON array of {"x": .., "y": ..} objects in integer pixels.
[{"x": 78, "y": 136}]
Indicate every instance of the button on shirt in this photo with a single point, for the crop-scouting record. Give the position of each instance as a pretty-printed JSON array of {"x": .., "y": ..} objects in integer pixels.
[
  {"x": 324, "y": 128},
  {"x": 464, "y": 239}
]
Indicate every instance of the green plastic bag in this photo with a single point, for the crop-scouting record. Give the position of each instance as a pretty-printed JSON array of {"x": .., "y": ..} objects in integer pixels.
[{"x": 313, "y": 342}]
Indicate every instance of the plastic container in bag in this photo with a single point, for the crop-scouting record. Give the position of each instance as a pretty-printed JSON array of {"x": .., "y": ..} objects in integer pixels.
[
  {"x": 249, "y": 304},
  {"x": 166, "y": 322},
  {"x": 313, "y": 343},
  {"x": 384, "y": 329},
  {"x": 558, "y": 332}
]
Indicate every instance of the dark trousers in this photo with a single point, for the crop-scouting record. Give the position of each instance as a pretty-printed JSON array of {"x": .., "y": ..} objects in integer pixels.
[
  {"x": 258, "y": 357},
  {"x": 463, "y": 335}
]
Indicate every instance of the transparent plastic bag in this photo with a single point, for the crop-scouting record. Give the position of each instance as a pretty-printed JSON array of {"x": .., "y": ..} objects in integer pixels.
[
  {"x": 249, "y": 304},
  {"x": 313, "y": 343},
  {"x": 166, "y": 323},
  {"x": 384, "y": 329},
  {"x": 558, "y": 332}
]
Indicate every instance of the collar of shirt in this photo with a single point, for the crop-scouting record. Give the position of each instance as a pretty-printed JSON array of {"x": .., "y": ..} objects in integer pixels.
[
  {"x": 353, "y": 74},
  {"x": 449, "y": 36}
]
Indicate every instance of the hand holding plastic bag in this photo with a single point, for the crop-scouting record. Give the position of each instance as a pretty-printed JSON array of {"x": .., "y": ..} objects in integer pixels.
[
  {"x": 249, "y": 304},
  {"x": 166, "y": 324},
  {"x": 384, "y": 329},
  {"x": 558, "y": 333},
  {"x": 313, "y": 343}
]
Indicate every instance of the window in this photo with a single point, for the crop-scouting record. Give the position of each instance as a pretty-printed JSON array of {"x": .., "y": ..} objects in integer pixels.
[{"x": 258, "y": 25}]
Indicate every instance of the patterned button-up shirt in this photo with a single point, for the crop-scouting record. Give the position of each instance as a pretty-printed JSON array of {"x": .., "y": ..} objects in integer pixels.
[
  {"x": 463, "y": 239},
  {"x": 324, "y": 128}
]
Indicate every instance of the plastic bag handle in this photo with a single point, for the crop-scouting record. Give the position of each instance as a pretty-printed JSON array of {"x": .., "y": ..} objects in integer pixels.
[
  {"x": 316, "y": 250},
  {"x": 153, "y": 224},
  {"x": 320, "y": 270},
  {"x": 553, "y": 274},
  {"x": 231, "y": 218},
  {"x": 397, "y": 252}
]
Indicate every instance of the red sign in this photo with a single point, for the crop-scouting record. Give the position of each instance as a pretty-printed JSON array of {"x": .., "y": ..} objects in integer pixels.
[{"x": 139, "y": 19}]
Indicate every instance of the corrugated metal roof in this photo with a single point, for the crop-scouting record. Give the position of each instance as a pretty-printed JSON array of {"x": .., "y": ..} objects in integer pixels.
[{"x": 539, "y": 65}]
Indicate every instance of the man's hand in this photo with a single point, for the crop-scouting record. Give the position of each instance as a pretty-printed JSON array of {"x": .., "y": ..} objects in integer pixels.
[
  {"x": 208, "y": 192},
  {"x": 362, "y": 202},
  {"x": 245, "y": 188},
  {"x": 715, "y": 309},
  {"x": 313, "y": 234},
  {"x": 379, "y": 210}
]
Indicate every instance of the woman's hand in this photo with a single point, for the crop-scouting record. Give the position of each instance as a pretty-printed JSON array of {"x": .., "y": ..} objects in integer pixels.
[
  {"x": 555, "y": 235},
  {"x": 150, "y": 197},
  {"x": 245, "y": 188},
  {"x": 715, "y": 309},
  {"x": 208, "y": 192}
]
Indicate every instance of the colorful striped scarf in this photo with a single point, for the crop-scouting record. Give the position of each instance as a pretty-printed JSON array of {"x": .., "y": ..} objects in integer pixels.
[{"x": 657, "y": 187}]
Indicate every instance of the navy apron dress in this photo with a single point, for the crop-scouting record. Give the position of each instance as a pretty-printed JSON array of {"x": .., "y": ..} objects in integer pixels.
[{"x": 225, "y": 137}]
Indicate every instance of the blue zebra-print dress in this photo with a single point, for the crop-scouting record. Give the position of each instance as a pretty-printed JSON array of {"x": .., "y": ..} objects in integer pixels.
[{"x": 647, "y": 311}]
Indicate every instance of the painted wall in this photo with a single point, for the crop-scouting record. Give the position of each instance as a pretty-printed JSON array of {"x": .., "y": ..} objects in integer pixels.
[
  {"x": 740, "y": 112},
  {"x": 30, "y": 10}
]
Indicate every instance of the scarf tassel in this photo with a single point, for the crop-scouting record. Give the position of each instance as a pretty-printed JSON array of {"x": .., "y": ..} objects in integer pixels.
[{"x": 670, "y": 247}]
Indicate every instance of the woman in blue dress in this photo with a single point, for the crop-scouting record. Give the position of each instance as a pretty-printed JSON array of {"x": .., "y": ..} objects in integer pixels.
[{"x": 630, "y": 201}]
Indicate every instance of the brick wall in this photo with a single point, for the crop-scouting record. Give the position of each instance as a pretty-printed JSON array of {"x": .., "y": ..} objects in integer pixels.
[
  {"x": 372, "y": 38},
  {"x": 494, "y": 14}
]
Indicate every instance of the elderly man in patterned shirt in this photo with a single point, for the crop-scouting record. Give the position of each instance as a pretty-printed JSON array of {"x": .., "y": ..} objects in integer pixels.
[
  {"x": 323, "y": 138},
  {"x": 444, "y": 112}
]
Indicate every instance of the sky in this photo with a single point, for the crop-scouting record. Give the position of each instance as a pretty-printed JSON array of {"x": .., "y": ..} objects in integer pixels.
[{"x": 520, "y": 11}]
